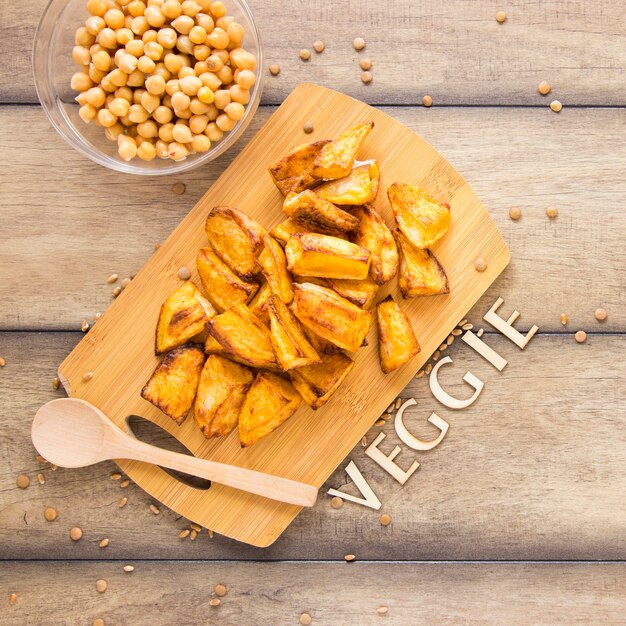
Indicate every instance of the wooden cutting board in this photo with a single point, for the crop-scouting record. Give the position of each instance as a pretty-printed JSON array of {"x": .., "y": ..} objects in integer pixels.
[{"x": 119, "y": 349}]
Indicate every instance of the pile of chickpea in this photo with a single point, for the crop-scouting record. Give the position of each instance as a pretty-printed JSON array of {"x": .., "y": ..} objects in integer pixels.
[{"x": 164, "y": 78}]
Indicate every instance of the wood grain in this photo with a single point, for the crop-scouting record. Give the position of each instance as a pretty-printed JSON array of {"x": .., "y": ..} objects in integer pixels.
[
  {"x": 533, "y": 470},
  {"x": 339, "y": 593},
  {"x": 510, "y": 157},
  {"x": 453, "y": 50},
  {"x": 310, "y": 445}
]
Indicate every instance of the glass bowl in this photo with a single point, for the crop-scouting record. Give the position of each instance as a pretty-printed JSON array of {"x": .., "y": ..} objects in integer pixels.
[{"x": 53, "y": 68}]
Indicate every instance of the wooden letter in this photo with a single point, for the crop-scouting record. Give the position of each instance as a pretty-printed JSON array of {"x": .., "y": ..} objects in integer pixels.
[
  {"x": 484, "y": 350},
  {"x": 414, "y": 442},
  {"x": 506, "y": 327},
  {"x": 386, "y": 462},
  {"x": 369, "y": 499},
  {"x": 445, "y": 398}
]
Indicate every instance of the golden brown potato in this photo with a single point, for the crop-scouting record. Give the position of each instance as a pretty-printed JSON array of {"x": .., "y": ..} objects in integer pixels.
[
  {"x": 330, "y": 316},
  {"x": 422, "y": 219},
  {"x": 320, "y": 345},
  {"x": 274, "y": 267},
  {"x": 420, "y": 272},
  {"x": 221, "y": 392},
  {"x": 236, "y": 239},
  {"x": 258, "y": 304},
  {"x": 183, "y": 315},
  {"x": 336, "y": 158},
  {"x": 244, "y": 336},
  {"x": 318, "y": 215},
  {"x": 285, "y": 229},
  {"x": 310, "y": 254},
  {"x": 373, "y": 234},
  {"x": 397, "y": 344},
  {"x": 318, "y": 382},
  {"x": 270, "y": 401},
  {"x": 290, "y": 345},
  {"x": 359, "y": 292},
  {"x": 359, "y": 187},
  {"x": 173, "y": 384},
  {"x": 294, "y": 172},
  {"x": 213, "y": 346}
]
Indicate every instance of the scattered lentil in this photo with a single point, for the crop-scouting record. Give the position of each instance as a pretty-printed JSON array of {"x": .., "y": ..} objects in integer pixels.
[
  {"x": 184, "y": 533},
  {"x": 112, "y": 278},
  {"x": 443, "y": 347},
  {"x": 50, "y": 514},
  {"x": 336, "y": 502},
  {"x": 41, "y": 479},
  {"x": 380, "y": 422},
  {"x": 552, "y": 212},
  {"x": 358, "y": 43},
  {"x": 103, "y": 543},
  {"x": 2, "y": 362},
  {"x": 436, "y": 355},
  {"x": 41, "y": 459},
  {"x": 308, "y": 128},
  {"x": 515, "y": 213},
  {"x": 13, "y": 598},
  {"x": 215, "y": 602},
  {"x": 76, "y": 533},
  {"x": 581, "y": 336},
  {"x": 101, "y": 585},
  {"x": 366, "y": 77},
  {"x": 462, "y": 323},
  {"x": 98, "y": 622},
  {"x": 420, "y": 374},
  {"x": 457, "y": 332},
  {"x": 274, "y": 69},
  {"x": 305, "y": 54},
  {"x": 155, "y": 509},
  {"x": 221, "y": 590},
  {"x": 556, "y": 106},
  {"x": 386, "y": 416},
  {"x": 385, "y": 519},
  {"x": 500, "y": 17},
  {"x": 193, "y": 535},
  {"x": 305, "y": 619},
  {"x": 87, "y": 376},
  {"x": 179, "y": 188},
  {"x": 366, "y": 63},
  {"x": 53, "y": 467},
  {"x": 116, "y": 476},
  {"x": 467, "y": 326},
  {"x": 427, "y": 101},
  {"x": 125, "y": 283},
  {"x": 318, "y": 46},
  {"x": 364, "y": 441},
  {"x": 129, "y": 568},
  {"x": 184, "y": 273},
  {"x": 601, "y": 314},
  {"x": 210, "y": 533},
  {"x": 382, "y": 610},
  {"x": 390, "y": 407},
  {"x": 196, "y": 527},
  {"x": 450, "y": 340},
  {"x": 122, "y": 502},
  {"x": 124, "y": 483},
  {"x": 398, "y": 403},
  {"x": 480, "y": 265},
  {"x": 544, "y": 88},
  {"x": 85, "y": 326},
  {"x": 22, "y": 481},
  {"x": 428, "y": 369},
  {"x": 116, "y": 292},
  {"x": 56, "y": 383},
  {"x": 349, "y": 557},
  {"x": 563, "y": 318},
  {"x": 480, "y": 332}
]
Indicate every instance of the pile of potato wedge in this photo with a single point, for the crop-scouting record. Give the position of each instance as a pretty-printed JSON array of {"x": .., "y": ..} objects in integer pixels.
[{"x": 281, "y": 312}]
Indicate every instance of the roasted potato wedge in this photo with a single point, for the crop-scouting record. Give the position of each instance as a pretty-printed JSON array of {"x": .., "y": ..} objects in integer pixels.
[
  {"x": 359, "y": 292},
  {"x": 397, "y": 344},
  {"x": 318, "y": 382},
  {"x": 258, "y": 304},
  {"x": 330, "y": 316},
  {"x": 311, "y": 254},
  {"x": 373, "y": 234},
  {"x": 236, "y": 239},
  {"x": 183, "y": 315},
  {"x": 318, "y": 215},
  {"x": 320, "y": 345},
  {"x": 336, "y": 158},
  {"x": 213, "y": 346},
  {"x": 244, "y": 336},
  {"x": 422, "y": 219},
  {"x": 221, "y": 392},
  {"x": 290, "y": 345},
  {"x": 270, "y": 401},
  {"x": 224, "y": 287},
  {"x": 173, "y": 384},
  {"x": 420, "y": 272},
  {"x": 274, "y": 267},
  {"x": 359, "y": 187},
  {"x": 283, "y": 231},
  {"x": 293, "y": 173}
]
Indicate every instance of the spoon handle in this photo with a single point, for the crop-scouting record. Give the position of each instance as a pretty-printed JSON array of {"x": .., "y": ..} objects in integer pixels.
[{"x": 259, "y": 483}]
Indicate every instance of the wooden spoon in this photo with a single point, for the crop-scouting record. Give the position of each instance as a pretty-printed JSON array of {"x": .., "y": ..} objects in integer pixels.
[{"x": 73, "y": 433}]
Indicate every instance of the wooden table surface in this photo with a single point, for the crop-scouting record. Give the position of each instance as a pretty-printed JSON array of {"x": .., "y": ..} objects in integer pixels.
[{"x": 519, "y": 516}]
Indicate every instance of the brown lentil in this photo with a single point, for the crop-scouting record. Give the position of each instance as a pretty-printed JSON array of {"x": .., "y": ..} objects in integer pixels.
[
  {"x": 84, "y": 326},
  {"x": 193, "y": 535},
  {"x": 76, "y": 533},
  {"x": 308, "y": 128},
  {"x": 50, "y": 514},
  {"x": 179, "y": 188},
  {"x": 365, "y": 64},
  {"x": 450, "y": 340},
  {"x": 87, "y": 376},
  {"x": 427, "y": 101},
  {"x": 467, "y": 326},
  {"x": 196, "y": 527},
  {"x": 556, "y": 106},
  {"x": 221, "y": 590},
  {"x": 53, "y": 467},
  {"x": 457, "y": 332},
  {"x": 601, "y": 314},
  {"x": 358, "y": 43},
  {"x": 124, "y": 483},
  {"x": 184, "y": 273},
  {"x": 581, "y": 336},
  {"x": 480, "y": 333},
  {"x": 103, "y": 543},
  {"x": 366, "y": 77},
  {"x": 184, "y": 533},
  {"x": 364, "y": 441},
  {"x": 122, "y": 502},
  {"x": 436, "y": 355},
  {"x": 443, "y": 347},
  {"x": 129, "y": 568},
  {"x": 22, "y": 481},
  {"x": 13, "y": 598},
  {"x": 462, "y": 323},
  {"x": 544, "y": 88},
  {"x": 349, "y": 557},
  {"x": 318, "y": 46},
  {"x": 116, "y": 476},
  {"x": 305, "y": 54},
  {"x": 385, "y": 519},
  {"x": 398, "y": 403},
  {"x": 552, "y": 212},
  {"x": 210, "y": 533},
  {"x": 305, "y": 619},
  {"x": 125, "y": 283},
  {"x": 112, "y": 278},
  {"x": 428, "y": 369},
  {"x": 380, "y": 422},
  {"x": 563, "y": 318},
  {"x": 336, "y": 502},
  {"x": 274, "y": 69},
  {"x": 101, "y": 585},
  {"x": 420, "y": 374},
  {"x": 41, "y": 459},
  {"x": 215, "y": 602},
  {"x": 116, "y": 292},
  {"x": 382, "y": 610},
  {"x": 56, "y": 383},
  {"x": 515, "y": 213},
  {"x": 98, "y": 622},
  {"x": 155, "y": 509},
  {"x": 2, "y": 362},
  {"x": 480, "y": 265},
  {"x": 41, "y": 479},
  {"x": 386, "y": 416},
  {"x": 500, "y": 17}
]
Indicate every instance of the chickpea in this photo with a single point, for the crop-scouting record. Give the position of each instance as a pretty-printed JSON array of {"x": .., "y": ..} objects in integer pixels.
[
  {"x": 201, "y": 143},
  {"x": 245, "y": 79},
  {"x": 137, "y": 114},
  {"x": 162, "y": 114},
  {"x": 126, "y": 148},
  {"x": 139, "y": 25},
  {"x": 180, "y": 101},
  {"x": 186, "y": 71},
  {"x": 242, "y": 59},
  {"x": 83, "y": 37},
  {"x": 136, "y": 79},
  {"x": 206, "y": 21},
  {"x": 95, "y": 74},
  {"x": 107, "y": 38},
  {"x": 223, "y": 54},
  {"x": 182, "y": 133},
  {"x": 97, "y": 7},
  {"x": 118, "y": 77},
  {"x": 106, "y": 118},
  {"x": 183, "y": 24},
  {"x": 199, "y": 67},
  {"x": 87, "y": 113},
  {"x": 173, "y": 62},
  {"x": 213, "y": 132},
  {"x": 94, "y": 24},
  {"x": 113, "y": 132},
  {"x": 218, "y": 9},
  {"x": 81, "y": 82},
  {"x": 114, "y": 18},
  {"x": 225, "y": 75},
  {"x": 235, "y": 33},
  {"x": 146, "y": 65},
  {"x": 119, "y": 107},
  {"x": 146, "y": 151},
  {"x": 124, "y": 35},
  {"x": 177, "y": 151},
  {"x": 81, "y": 55},
  {"x": 155, "y": 3},
  {"x": 128, "y": 20},
  {"x": 222, "y": 98},
  {"x": 127, "y": 63},
  {"x": 81, "y": 98},
  {"x": 154, "y": 16},
  {"x": 224, "y": 122},
  {"x": 96, "y": 96},
  {"x": 210, "y": 80},
  {"x": 95, "y": 49},
  {"x": 167, "y": 37},
  {"x": 215, "y": 63},
  {"x": 150, "y": 102},
  {"x": 136, "y": 8},
  {"x": 132, "y": 131},
  {"x": 166, "y": 101},
  {"x": 161, "y": 70},
  {"x": 198, "y": 107},
  {"x": 212, "y": 112},
  {"x": 183, "y": 115},
  {"x": 124, "y": 92},
  {"x": 126, "y": 122},
  {"x": 149, "y": 35},
  {"x": 206, "y": 95},
  {"x": 183, "y": 43},
  {"x": 240, "y": 95},
  {"x": 197, "y": 35},
  {"x": 171, "y": 87},
  {"x": 166, "y": 133},
  {"x": 155, "y": 84},
  {"x": 235, "y": 111},
  {"x": 171, "y": 9},
  {"x": 190, "y": 8},
  {"x": 218, "y": 39},
  {"x": 147, "y": 129},
  {"x": 190, "y": 85},
  {"x": 107, "y": 85},
  {"x": 135, "y": 47},
  {"x": 109, "y": 99},
  {"x": 153, "y": 50},
  {"x": 161, "y": 149},
  {"x": 198, "y": 123},
  {"x": 225, "y": 22}
]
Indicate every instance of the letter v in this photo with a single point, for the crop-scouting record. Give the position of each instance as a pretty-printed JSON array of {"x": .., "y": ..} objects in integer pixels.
[{"x": 369, "y": 497}]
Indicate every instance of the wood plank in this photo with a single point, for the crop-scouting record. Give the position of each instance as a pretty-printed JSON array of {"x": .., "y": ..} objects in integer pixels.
[
  {"x": 331, "y": 593},
  {"x": 453, "y": 50},
  {"x": 533, "y": 470},
  {"x": 511, "y": 157}
]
